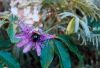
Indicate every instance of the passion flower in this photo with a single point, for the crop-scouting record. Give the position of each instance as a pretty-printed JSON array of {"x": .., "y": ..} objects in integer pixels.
[{"x": 32, "y": 40}]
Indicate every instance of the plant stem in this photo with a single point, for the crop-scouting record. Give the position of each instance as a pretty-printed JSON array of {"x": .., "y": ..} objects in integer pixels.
[{"x": 54, "y": 27}]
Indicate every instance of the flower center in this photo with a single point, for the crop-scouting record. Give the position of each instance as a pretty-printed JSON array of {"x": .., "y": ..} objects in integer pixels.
[{"x": 35, "y": 37}]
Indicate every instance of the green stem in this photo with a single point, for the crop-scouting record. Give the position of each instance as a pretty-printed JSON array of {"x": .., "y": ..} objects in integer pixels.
[{"x": 54, "y": 27}]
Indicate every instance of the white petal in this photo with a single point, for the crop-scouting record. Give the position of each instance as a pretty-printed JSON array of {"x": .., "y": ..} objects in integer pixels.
[
  {"x": 14, "y": 10},
  {"x": 65, "y": 14},
  {"x": 27, "y": 11},
  {"x": 36, "y": 17},
  {"x": 85, "y": 27},
  {"x": 76, "y": 24},
  {"x": 30, "y": 22}
]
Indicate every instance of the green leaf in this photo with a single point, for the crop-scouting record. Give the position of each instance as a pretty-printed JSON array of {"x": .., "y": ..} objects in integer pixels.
[
  {"x": 74, "y": 23},
  {"x": 11, "y": 33},
  {"x": 71, "y": 27},
  {"x": 60, "y": 2},
  {"x": 8, "y": 59},
  {"x": 4, "y": 38},
  {"x": 63, "y": 54},
  {"x": 12, "y": 18},
  {"x": 72, "y": 47},
  {"x": 5, "y": 45},
  {"x": 1, "y": 66},
  {"x": 2, "y": 22},
  {"x": 47, "y": 54}
]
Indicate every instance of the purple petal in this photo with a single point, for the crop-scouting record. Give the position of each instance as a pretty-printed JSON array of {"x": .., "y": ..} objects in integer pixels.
[
  {"x": 28, "y": 47},
  {"x": 22, "y": 43},
  {"x": 23, "y": 36},
  {"x": 47, "y": 36},
  {"x": 38, "y": 49},
  {"x": 41, "y": 31},
  {"x": 25, "y": 28}
]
